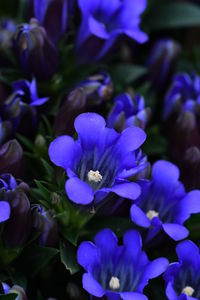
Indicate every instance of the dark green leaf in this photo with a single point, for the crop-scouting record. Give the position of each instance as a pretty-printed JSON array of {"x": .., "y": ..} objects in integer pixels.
[
  {"x": 8, "y": 296},
  {"x": 68, "y": 257},
  {"x": 36, "y": 257},
  {"x": 172, "y": 15},
  {"x": 126, "y": 74}
]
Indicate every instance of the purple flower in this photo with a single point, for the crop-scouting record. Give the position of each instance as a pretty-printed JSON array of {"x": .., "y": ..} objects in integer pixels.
[
  {"x": 103, "y": 22},
  {"x": 21, "y": 103},
  {"x": 128, "y": 112},
  {"x": 164, "y": 204},
  {"x": 37, "y": 53},
  {"x": 184, "y": 95},
  {"x": 183, "y": 277},
  {"x": 52, "y": 15},
  {"x": 161, "y": 62},
  {"x": 100, "y": 161},
  {"x": 118, "y": 272}
]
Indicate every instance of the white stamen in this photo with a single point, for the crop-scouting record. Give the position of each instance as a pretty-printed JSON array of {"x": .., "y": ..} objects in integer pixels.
[
  {"x": 152, "y": 214},
  {"x": 94, "y": 176},
  {"x": 188, "y": 290},
  {"x": 114, "y": 283}
]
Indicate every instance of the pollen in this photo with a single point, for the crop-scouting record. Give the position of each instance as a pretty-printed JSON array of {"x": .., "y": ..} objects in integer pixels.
[
  {"x": 94, "y": 176},
  {"x": 152, "y": 214},
  {"x": 188, "y": 290},
  {"x": 114, "y": 283}
]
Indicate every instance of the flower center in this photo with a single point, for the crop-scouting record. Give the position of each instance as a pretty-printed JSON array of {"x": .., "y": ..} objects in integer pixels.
[
  {"x": 114, "y": 283},
  {"x": 94, "y": 176},
  {"x": 152, "y": 214},
  {"x": 188, "y": 290}
]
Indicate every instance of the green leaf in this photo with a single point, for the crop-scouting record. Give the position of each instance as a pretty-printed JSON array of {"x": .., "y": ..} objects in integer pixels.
[
  {"x": 68, "y": 257},
  {"x": 36, "y": 257},
  {"x": 8, "y": 296},
  {"x": 172, "y": 15},
  {"x": 127, "y": 74}
]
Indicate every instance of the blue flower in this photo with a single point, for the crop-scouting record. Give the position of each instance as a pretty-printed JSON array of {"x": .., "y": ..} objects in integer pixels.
[
  {"x": 100, "y": 161},
  {"x": 183, "y": 277},
  {"x": 184, "y": 95},
  {"x": 103, "y": 22},
  {"x": 161, "y": 62},
  {"x": 52, "y": 15},
  {"x": 128, "y": 112},
  {"x": 164, "y": 204},
  {"x": 118, "y": 272},
  {"x": 22, "y": 102}
]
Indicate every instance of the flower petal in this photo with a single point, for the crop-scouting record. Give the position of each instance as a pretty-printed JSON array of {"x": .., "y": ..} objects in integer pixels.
[
  {"x": 189, "y": 205},
  {"x": 165, "y": 172},
  {"x": 137, "y": 35},
  {"x": 4, "y": 211},
  {"x": 129, "y": 190},
  {"x": 87, "y": 255},
  {"x": 132, "y": 240},
  {"x": 133, "y": 296},
  {"x": 97, "y": 28},
  {"x": 139, "y": 217},
  {"x": 62, "y": 151},
  {"x": 78, "y": 191},
  {"x": 102, "y": 238},
  {"x": 90, "y": 127},
  {"x": 175, "y": 231},
  {"x": 156, "y": 267},
  {"x": 92, "y": 286},
  {"x": 170, "y": 292},
  {"x": 184, "y": 251},
  {"x": 131, "y": 139}
]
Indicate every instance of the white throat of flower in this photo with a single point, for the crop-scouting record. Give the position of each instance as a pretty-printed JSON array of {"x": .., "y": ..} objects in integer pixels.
[
  {"x": 114, "y": 283},
  {"x": 152, "y": 214},
  {"x": 188, "y": 290},
  {"x": 94, "y": 176}
]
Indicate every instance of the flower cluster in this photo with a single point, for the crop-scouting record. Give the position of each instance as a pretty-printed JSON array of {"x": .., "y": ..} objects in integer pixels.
[{"x": 99, "y": 150}]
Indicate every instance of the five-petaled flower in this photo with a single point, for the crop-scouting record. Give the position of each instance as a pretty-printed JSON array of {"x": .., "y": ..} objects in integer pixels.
[
  {"x": 164, "y": 204},
  {"x": 183, "y": 277},
  {"x": 103, "y": 22},
  {"x": 118, "y": 272},
  {"x": 100, "y": 161}
]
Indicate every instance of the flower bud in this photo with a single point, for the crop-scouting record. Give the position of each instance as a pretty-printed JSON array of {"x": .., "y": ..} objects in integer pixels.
[
  {"x": 98, "y": 88},
  {"x": 16, "y": 289},
  {"x": 52, "y": 15},
  {"x": 190, "y": 168},
  {"x": 162, "y": 61},
  {"x": 17, "y": 228},
  {"x": 44, "y": 223},
  {"x": 11, "y": 154},
  {"x": 69, "y": 110},
  {"x": 36, "y": 52},
  {"x": 128, "y": 112},
  {"x": 7, "y": 31}
]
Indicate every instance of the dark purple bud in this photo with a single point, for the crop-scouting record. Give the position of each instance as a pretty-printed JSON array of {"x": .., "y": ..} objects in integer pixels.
[
  {"x": 5, "y": 131},
  {"x": 52, "y": 15},
  {"x": 44, "y": 223},
  {"x": 18, "y": 227},
  {"x": 11, "y": 154},
  {"x": 183, "y": 133},
  {"x": 190, "y": 168},
  {"x": 98, "y": 88},
  {"x": 74, "y": 104},
  {"x": 36, "y": 52},
  {"x": 162, "y": 61}
]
